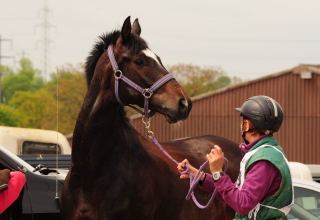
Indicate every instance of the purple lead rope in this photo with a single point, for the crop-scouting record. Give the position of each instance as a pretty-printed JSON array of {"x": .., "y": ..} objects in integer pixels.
[{"x": 193, "y": 181}]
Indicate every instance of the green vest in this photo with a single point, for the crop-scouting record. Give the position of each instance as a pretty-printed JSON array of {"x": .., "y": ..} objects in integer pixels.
[{"x": 283, "y": 197}]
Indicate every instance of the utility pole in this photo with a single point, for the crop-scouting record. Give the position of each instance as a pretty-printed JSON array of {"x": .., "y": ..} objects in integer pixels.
[{"x": 2, "y": 57}]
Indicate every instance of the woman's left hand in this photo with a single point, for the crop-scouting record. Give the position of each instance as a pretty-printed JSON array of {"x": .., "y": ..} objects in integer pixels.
[
  {"x": 182, "y": 166},
  {"x": 216, "y": 159}
]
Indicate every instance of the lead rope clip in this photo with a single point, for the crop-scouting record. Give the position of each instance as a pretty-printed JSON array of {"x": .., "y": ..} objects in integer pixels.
[{"x": 147, "y": 123}]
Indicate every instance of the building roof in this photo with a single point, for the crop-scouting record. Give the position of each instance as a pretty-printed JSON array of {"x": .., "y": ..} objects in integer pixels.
[{"x": 313, "y": 69}]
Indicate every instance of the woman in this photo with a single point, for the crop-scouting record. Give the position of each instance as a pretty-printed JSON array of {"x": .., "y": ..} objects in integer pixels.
[{"x": 264, "y": 187}]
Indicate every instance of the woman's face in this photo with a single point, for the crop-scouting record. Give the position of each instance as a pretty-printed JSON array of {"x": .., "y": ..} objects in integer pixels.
[{"x": 244, "y": 125}]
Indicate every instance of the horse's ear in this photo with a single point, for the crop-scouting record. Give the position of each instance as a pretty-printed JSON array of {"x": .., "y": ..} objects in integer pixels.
[
  {"x": 126, "y": 29},
  {"x": 136, "y": 29}
]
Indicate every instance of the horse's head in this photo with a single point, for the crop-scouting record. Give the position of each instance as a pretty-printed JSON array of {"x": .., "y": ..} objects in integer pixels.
[{"x": 142, "y": 67}]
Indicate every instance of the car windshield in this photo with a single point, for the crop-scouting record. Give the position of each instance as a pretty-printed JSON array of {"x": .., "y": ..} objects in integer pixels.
[
  {"x": 307, "y": 204},
  {"x": 17, "y": 159}
]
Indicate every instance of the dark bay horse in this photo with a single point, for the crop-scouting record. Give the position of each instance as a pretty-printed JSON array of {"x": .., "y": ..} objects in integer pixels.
[{"x": 119, "y": 174}]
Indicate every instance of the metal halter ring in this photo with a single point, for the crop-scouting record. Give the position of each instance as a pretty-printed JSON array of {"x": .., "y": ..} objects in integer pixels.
[
  {"x": 118, "y": 74},
  {"x": 147, "y": 93}
]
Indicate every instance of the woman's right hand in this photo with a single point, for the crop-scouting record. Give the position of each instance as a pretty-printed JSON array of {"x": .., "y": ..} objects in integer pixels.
[
  {"x": 4, "y": 176},
  {"x": 182, "y": 166}
]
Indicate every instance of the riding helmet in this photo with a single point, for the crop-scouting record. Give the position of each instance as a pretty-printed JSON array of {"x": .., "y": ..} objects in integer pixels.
[{"x": 264, "y": 112}]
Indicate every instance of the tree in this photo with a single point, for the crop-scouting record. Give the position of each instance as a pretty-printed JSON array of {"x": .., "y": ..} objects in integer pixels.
[
  {"x": 24, "y": 80},
  {"x": 197, "y": 80},
  {"x": 34, "y": 109},
  {"x": 68, "y": 88},
  {"x": 4, "y": 70},
  {"x": 221, "y": 82},
  {"x": 8, "y": 116}
]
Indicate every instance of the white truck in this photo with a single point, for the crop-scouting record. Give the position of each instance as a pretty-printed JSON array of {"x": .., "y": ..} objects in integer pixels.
[
  {"x": 302, "y": 171},
  {"x": 37, "y": 146}
]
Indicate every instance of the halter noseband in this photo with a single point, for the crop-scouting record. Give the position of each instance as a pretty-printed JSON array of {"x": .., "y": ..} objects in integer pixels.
[{"x": 146, "y": 92}]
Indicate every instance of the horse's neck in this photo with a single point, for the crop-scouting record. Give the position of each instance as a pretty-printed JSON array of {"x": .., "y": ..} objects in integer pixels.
[{"x": 104, "y": 134}]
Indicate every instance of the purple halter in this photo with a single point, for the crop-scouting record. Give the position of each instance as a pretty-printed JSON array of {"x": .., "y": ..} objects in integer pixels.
[{"x": 146, "y": 92}]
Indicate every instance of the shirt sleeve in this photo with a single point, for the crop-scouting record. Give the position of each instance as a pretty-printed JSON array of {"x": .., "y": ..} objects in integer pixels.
[
  {"x": 15, "y": 185},
  {"x": 255, "y": 188},
  {"x": 207, "y": 184}
]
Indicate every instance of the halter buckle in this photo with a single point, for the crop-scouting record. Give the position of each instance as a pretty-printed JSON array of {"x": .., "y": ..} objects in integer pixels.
[
  {"x": 147, "y": 93},
  {"x": 118, "y": 74}
]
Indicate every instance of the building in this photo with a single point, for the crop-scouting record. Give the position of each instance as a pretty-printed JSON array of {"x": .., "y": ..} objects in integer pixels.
[{"x": 296, "y": 89}]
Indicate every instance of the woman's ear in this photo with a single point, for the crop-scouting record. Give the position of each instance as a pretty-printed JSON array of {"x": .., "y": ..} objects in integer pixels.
[{"x": 246, "y": 125}]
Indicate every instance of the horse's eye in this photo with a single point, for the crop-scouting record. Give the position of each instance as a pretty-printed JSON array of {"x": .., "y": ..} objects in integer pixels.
[{"x": 139, "y": 62}]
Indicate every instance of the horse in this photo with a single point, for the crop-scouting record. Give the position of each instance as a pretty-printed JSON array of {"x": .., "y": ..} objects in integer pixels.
[{"x": 116, "y": 172}]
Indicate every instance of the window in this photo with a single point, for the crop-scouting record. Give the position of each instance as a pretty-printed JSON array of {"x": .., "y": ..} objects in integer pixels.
[
  {"x": 307, "y": 204},
  {"x": 29, "y": 147}
]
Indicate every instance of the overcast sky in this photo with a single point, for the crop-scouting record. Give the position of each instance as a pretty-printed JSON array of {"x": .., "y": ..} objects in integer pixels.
[{"x": 246, "y": 38}]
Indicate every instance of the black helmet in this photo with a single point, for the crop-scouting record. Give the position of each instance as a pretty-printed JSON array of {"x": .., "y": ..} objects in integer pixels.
[{"x": 264, "y": 113}]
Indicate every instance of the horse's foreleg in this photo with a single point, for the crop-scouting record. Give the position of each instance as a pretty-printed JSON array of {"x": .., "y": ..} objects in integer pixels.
[
  {"x": 66, "y": 200},
  {"x": 83, "y": 209}
]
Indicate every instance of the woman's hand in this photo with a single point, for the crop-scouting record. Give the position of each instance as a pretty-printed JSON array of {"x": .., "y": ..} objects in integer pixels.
[
  {"x": 216, "y": 159},
  {"x": 182, "y": 166},
  {"x": 4, "y": 176}
]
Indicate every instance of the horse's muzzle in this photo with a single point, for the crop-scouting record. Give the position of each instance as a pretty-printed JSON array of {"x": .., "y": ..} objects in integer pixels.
[{"x": 184, "y": 108}]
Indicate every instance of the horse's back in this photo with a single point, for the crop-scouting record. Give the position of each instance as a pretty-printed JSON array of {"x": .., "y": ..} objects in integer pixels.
[{"x": 196, "y": 148}]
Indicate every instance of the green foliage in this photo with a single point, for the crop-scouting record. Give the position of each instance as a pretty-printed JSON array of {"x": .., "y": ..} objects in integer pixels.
[
  {"x": 221, "y": 82},
  {"x": 24, "y": 80},
  {"x": 55, "y": 106},
  {"x": 68, "y": 87},
  {"x": 8, "y": 116},
  {"x": 5, "y": 70},
  {"x": 197, "y": 80},
  {"x": 34, "y": 109},
  {"x": 29, "y": 102}
]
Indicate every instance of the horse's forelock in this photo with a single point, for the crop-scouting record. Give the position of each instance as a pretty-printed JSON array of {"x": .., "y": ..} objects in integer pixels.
[{"x": 134, "y": 43}]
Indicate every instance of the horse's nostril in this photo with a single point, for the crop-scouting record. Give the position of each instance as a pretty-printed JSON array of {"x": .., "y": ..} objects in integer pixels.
[
  {"x": 183, "y": 102},
  {"x": 183, "y": 106}
]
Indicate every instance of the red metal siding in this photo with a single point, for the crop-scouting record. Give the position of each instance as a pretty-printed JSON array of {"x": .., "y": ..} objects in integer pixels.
[{"x": 215, "y": 114}]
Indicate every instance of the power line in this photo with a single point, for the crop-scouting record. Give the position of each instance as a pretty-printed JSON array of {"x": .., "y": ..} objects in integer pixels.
[{"x": 3, "y": 57}]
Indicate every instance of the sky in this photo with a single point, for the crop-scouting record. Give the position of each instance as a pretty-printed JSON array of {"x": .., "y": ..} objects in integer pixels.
[{"x": 246, "y": 38}]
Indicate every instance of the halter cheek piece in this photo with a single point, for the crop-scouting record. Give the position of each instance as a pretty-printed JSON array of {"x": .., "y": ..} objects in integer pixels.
[{"x": 146, "y": 92}]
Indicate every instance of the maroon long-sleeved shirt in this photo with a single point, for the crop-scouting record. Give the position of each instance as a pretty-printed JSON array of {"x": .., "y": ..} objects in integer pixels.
[{"x": 262, "y": 179}]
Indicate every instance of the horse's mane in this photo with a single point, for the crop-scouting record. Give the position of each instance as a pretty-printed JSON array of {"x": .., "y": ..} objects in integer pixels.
[
  {"x": 134, "y": 43},
  {"x": 104, "y": 41}
]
